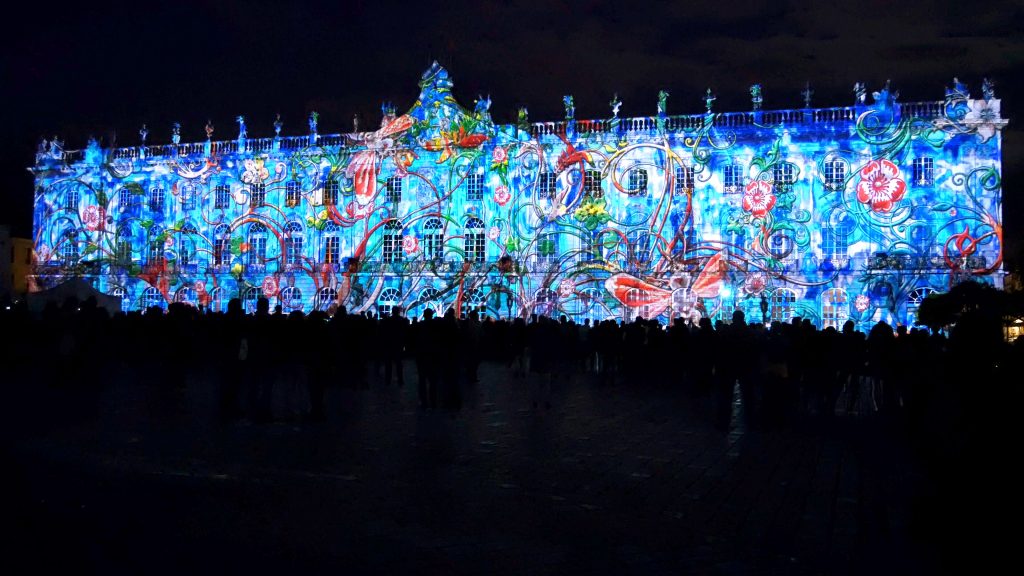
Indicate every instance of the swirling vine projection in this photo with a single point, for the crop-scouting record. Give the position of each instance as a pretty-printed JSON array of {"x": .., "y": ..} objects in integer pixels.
[{"x": 837, "y": 214}]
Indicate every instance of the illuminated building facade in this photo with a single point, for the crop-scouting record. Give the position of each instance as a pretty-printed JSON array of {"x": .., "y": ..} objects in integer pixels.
[{"x": 830, "y": 214}]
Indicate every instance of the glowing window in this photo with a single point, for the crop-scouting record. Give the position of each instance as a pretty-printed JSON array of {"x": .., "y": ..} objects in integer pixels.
[
  {"x": 217, "y": 299},
  {"x": 393, "y": 188},
  {"x": 389, "y": 298},
  {"x": 188, "y": 196},
  {"x": 547, "y": 185},
  {"x": 293, "y": 243},
  {"x": 475, "y": 187},
  {"x": 732, "y": 177},
  {"x": 331, "y": 191},
  {"x": 71, "y": 199},
  {"x": 835, "y": 174},
  {"x": 835, "y": 308},
  {"x": 392, "y": 248},
  {"x": 332, "y": 244},
  {"x": 592, "y": 183},
  {"x": 257, "y": 244},
  {"x": 257, "y": 194},
  {"x": 221, "y": 196},
  {"x": 222, "y": 245},
  {"x": 155, "y": 253},
  {"x": 121, "y": 293},
  {"x": 684, "y": 180},
  {"x": 325, "y": 297},
  {"x": 292, "y": 194},
  {"x": 250, "y": 298},
  {"x": 782, "y": 305},
  {"x": 636, "y": 182},
  {"x": 152, "y": 298},
  {"x": 923, "y": 171},
  {"x": 156, "y": 199},
  {"x": 784, "y": 175},
  {"x": 433, "y": 239},
  {"x": 475, "y": 245},
  {"x": 836, "y": 241},
  {"x": 291, "y": 298},
  {"x": 187, "y": 295},
  {"x": 69, "y": 247}
]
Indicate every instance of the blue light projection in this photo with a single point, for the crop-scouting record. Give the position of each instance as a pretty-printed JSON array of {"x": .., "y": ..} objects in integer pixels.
[{"x": 853, "y": 213}]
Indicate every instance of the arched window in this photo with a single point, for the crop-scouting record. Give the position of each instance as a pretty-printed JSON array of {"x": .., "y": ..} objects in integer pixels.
[
  {"x": 71, "y": 198},
  {"x": 293, "y": 243},
  {"x": 473, "y": 299},
  {"x": 119, "y": 292},
  {"x": 250, "y": 297},
  {"x": 257, "y": 244},
  {"x": 636, "y": 182},
  {"x": 217, "y": 302},
  {"x": 332, "y": 244},
  {"x": 151, "y": 297},
  {"x": 782, "y": 304},
  {"x": 431, "y": 298},
  {"x": 474, "y": 240},
  {"x": 389, "y": 298},
  {"x": 914, "y": 303},
  {"x": 156, "y": 199},
  {"x": 222, "y": 245},
  {"x": 291, "y": 298},
  {"x": 433, "y": 239},
  {"x": 835, "y": 308},
  {"x": 325, "y": 297},
  {"x": 187, "y": 295},
  {"x": 392, "y": 249}
]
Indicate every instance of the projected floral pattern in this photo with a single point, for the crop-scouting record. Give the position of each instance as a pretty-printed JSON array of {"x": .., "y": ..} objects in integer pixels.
[{"x": 688, "y": 216}]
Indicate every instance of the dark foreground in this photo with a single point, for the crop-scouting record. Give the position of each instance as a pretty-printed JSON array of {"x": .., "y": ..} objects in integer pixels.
[{"x": 139, "y": 478}]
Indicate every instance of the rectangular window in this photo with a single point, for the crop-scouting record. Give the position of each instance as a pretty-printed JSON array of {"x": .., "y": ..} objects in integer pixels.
[
  {"x": 394, "y": 189},
  {"x": 923, "y": 171},
  {"x": 257, "y": 194},
  {"x": 684, "y": 180},
  {"x": 475, "y": 187},
  {"x": 125, "y": 197},
  {"x": 547, "y": 185},
  {"x": 156, "y": 252},
  {"x": 71, "y": 200},
  {"x": 222, "y": 251},
  {"x": 188, "y": 199},
  {"x": 835, "y": 174},
  {"x": 292, "y": 194},
  {"x": 332, "y": 250},
  {"x": 592, "y": 184},
  {"x": 637, "y": 182},
  {"x": 433, "y": 245},
  {"x": 123, "y": 253},
  {"x": 222, "y": 196},
  {"x": 392, "y": 247},
  {"x": 784, "y": 175},
  {"x": 732, "y": 177},
  {"x": 330, "y": 194},
  {"x": 292, "y": 250},
  {"x": 156, "y": 200},
  {"x": 475, "y": 246},
  {"x": 257, "y": 250}
]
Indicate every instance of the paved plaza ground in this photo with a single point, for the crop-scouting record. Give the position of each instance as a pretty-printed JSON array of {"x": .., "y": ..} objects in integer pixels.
[{"x": 613, "y": 478}]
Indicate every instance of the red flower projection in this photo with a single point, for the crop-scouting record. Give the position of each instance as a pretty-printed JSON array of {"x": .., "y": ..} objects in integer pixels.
[
  {"x": 758, "y": 198},
  {"x": 880, "y": 185}
]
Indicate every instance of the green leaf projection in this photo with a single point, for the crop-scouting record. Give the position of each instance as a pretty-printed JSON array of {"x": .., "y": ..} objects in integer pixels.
[{"x": 851, "y": 213}]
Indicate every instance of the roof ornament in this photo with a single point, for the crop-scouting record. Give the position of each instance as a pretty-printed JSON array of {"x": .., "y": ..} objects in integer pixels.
[{"x": 755, "y": 97}]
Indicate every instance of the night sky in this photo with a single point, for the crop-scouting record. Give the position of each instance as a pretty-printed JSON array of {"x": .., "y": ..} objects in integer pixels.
[{"x": 101, "y": 68}]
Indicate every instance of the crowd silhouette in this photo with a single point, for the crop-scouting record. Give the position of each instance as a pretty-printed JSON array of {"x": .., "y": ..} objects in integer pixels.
[{"x": 271, "y": 365}]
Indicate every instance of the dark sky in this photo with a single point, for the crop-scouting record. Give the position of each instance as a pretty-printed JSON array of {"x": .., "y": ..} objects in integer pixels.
[{"x": 102, "y": 68}]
